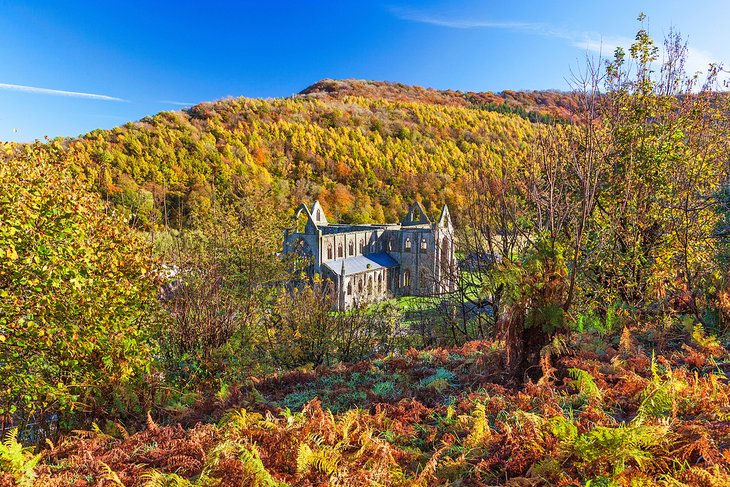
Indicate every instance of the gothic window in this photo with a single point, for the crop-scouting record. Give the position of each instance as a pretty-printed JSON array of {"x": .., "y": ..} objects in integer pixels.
[
  {"x": 445, "y": 255},
  {"x": 424, "y": 245},
  {"x": 359, "y": 286},
  {"x": 319, "y": 215},
  {"x": 362, "y": 246},
  {"x": 370, "y": 285},
  {"x": 445, "y": 271},
  {"x": 329, "y": 251},
  {"x": 407, "y": 278},
  {"x": 339, "y": 251},
  {"x": 407, "y": 246},
  {"x": 351, "y": 249},
  {"x": 349, "y": 288},
  {"x": 380, "y": 283},
  {"x": 422, "y": 279}
]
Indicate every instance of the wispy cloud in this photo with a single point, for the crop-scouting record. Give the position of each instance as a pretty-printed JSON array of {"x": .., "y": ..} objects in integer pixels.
[
  {"x": 179, "y": 103},
  {"x": 459, "y": 23},
  {"x": 49, "y": 91},
  {"x": 697, "y": 59}
]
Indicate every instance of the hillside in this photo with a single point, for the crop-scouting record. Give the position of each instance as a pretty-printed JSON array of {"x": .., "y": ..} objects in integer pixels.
[
  {"x": 549, "y": 104},
  {"x": 610, "y": 414},
  {"x": 365, "y": 149}
]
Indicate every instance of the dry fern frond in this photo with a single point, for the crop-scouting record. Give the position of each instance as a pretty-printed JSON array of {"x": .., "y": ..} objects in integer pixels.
[{"x": 110, "y": 475}]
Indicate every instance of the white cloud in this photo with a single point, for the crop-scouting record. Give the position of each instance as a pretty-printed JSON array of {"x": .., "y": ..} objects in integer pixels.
[
  {"x": 454, "y": 23},
  {"x": 49, "y": 91},
  {"x": 697, "y": 60},
  {"x": 179, "y": 103}
]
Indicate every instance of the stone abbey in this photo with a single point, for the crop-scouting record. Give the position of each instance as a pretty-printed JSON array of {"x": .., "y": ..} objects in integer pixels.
[{"x": 371, "y": 262}]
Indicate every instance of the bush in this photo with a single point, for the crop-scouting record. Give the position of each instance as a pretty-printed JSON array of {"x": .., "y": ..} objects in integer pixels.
[{"x": 77, "y": 295}]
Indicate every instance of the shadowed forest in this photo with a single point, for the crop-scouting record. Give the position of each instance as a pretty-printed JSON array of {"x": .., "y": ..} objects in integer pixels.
[{"x": 150, "y": 333}]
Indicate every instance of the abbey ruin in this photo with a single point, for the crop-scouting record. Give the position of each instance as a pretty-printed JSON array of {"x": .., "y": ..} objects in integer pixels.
[{"x": 371, "y": 262}]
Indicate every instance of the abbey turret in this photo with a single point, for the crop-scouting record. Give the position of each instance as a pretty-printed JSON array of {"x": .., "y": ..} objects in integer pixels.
[{"x": 370, "y": 262}]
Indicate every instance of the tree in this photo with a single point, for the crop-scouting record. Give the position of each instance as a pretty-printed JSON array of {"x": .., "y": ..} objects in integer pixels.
[
  {"x": 77, "y": 295},
  {"x": 228, "y": 274},
  {"x": 622, "y": 204}
]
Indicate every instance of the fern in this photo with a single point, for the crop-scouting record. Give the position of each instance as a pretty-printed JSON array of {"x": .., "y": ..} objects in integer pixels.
[
  {"x": 440, "y": 380},
  {"x": 587, "y": 386},
  {"x": 110, "y": 475},
  {"x": 154, "y": 478},
  {"x": 480, "y": 430},
  {"x": 563, "y": 429},
  {"x": 324, "y": 459},
  {"x": 620, "y": 447},
  {"x": 242, "y": 420},
  {"x": 706, "y": 342},
  {"x": 17, "y": 460},
  {"x": 256, "y": 469}
]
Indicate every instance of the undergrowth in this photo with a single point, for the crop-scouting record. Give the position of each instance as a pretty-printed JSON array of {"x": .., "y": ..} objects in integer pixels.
[{"x": 436, "y": 417}]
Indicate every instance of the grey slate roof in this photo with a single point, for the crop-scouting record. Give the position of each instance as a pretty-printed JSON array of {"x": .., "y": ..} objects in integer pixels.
[{"x": 359, "y": 263}]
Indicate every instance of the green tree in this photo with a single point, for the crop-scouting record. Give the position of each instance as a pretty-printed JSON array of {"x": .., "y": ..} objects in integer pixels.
[{"x": 77, "y": 294}]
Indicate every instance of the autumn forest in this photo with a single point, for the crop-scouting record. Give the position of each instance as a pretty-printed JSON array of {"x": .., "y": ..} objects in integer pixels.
[{"x": 153, "y": 334}]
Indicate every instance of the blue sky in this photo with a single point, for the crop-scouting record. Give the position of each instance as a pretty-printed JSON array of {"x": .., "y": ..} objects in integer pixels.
[{"x": 69, "y": 67}]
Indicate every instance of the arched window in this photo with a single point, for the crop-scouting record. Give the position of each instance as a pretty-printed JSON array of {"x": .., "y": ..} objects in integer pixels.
[
  {"x": 422, "y": 279},
  {"x": 445, "y": 255},
  {"x": 407, "y": 245},
  {"x": 362, "y": 246},
  {"x": 349, "y": 288},
  {"x": 445, "y": 271},
  {"x": 319, "y": 215},
  {"x": 359, "y": 286},
  {"x": 424, "y": 245},
  {"x": 370, "y": 285},
  {"x": 329, "y": 251},
  {"x": 407, "y": 278},
  {"x": 380, "y": 283},
  {"x": 339, "y": 251},
  {"x": 350, "y": 249}
]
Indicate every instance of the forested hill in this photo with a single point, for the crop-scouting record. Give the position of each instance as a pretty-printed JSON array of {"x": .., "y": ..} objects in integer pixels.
[
  {"x": 540, "y": 106},
  {"x": 364, "y": 149}
]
